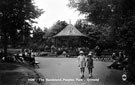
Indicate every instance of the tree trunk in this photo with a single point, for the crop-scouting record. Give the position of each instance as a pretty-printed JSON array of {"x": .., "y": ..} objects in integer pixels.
[
  {"x": 131, "y": 67},
  {"x": 131, "y": 61}
]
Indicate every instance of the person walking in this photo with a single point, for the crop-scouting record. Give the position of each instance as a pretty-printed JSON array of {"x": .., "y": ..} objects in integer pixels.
[
  {"x": 89, "y": 64},
  {"x": 81, "y": 63}
]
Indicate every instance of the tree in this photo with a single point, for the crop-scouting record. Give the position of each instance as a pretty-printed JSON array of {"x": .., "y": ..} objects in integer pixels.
[
  {"x": 37, "y": 39},
  {"x": 98, "y": 35},
  {"x": 99, "y": 12},
  {"x": 113, "y": 13},
  {"x": 38, "y": 34},
  {"x": 119, "y": 15},
  {"x": 17, "y": 15},
  {"x": 56, "y": 28},
  {"x": 96, "y": 11}
]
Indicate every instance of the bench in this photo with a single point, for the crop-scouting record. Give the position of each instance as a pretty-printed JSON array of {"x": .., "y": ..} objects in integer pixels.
[{"x": 35, "y": 64}]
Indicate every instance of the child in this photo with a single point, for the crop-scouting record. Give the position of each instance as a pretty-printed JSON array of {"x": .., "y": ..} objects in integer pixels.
[
  {"x": 90, "y": 64},
  {"x": 82, "y": 63}
]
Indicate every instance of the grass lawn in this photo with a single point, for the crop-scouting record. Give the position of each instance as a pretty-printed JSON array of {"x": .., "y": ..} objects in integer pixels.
[
  {"x": 14, "y": 74},
  {"x": 5, "y": 66},
  {"x": 12, "y": 78}
]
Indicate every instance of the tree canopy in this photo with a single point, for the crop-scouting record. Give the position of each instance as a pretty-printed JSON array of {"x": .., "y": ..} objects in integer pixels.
[
  {"x": 119, "y": 16},
  {"x": 17, "y": 16}
]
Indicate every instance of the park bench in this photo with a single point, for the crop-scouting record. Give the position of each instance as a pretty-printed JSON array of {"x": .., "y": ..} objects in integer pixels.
[{"x": 35, "y": 64}]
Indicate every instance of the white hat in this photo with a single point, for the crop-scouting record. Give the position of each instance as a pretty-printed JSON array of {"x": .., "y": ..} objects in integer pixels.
[
  {"x": 81, "y": 52},
  {"x": 90, "y": 53},
  {"x": 113, "y": 53}
]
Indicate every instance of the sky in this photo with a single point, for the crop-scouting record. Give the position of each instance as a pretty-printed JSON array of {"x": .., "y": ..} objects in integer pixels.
[{"x": 55, "y": 10}]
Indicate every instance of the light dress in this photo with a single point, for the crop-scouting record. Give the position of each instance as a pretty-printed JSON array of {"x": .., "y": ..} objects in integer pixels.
[{"x": 81, "y": 61}]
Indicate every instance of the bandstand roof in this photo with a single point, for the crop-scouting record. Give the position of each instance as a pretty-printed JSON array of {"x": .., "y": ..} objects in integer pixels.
[{"x": 69, "y": 30}]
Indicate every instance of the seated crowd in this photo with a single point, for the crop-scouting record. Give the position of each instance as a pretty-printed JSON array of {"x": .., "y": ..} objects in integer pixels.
[
  {"x": 120, "y": 61},
  {"x": 21, "y": 57}
]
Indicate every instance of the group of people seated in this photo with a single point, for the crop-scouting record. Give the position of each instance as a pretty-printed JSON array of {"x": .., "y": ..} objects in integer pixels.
[
  {"x": 29, "y": 56},
  {"x": 120, "y": 61},
  {"x": 71, "y": 51},
  {"x": 21, "y": 57}
]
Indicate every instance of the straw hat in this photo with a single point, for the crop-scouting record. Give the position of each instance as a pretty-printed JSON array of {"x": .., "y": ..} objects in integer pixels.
[
  {"x": 90, "y": 53},
  {"x": 81, "y": 52}
]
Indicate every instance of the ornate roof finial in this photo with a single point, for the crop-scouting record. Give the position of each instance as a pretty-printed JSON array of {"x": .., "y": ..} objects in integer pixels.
[{"x": 70, "y": 21}]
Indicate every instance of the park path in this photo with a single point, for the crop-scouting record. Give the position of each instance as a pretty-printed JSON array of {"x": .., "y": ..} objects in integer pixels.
[{"x": 64, "y": 71}]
